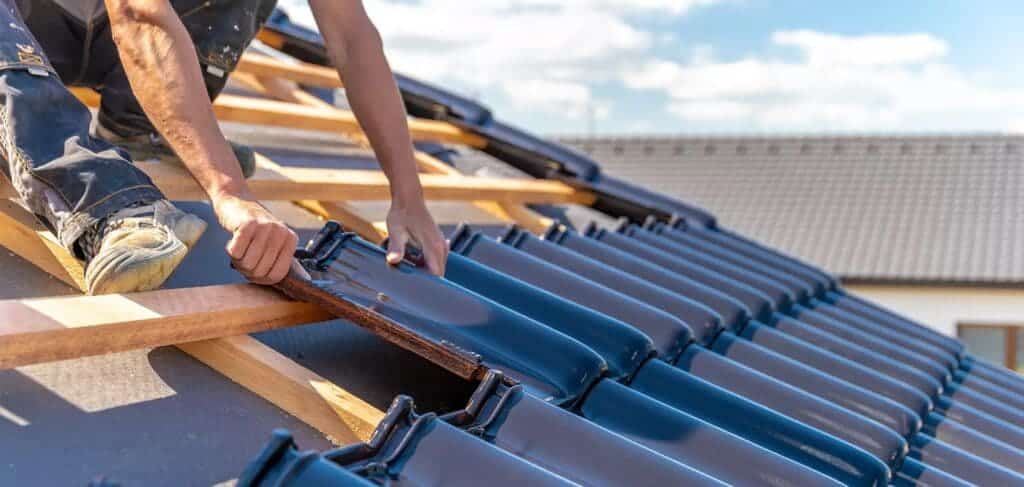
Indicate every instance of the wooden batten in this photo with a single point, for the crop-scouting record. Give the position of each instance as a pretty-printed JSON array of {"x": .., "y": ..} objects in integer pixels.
[
  {"x": 233, "y": 108},
  {"x": 293, "y": 183},
  {"x": 287, "y": 90},
  {"x": 36, "y": 330}
]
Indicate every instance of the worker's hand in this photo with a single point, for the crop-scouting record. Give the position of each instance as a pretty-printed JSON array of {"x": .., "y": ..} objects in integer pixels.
[
  {"x": 262, "y": 247},
  {"x": 412, "y": 223}
]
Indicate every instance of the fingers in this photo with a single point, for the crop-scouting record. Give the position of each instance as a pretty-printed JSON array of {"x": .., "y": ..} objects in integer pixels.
[
  {"x": 240, "y": 241},
  {"x": 435, "y": 253},
  {"x": 268, "y": 259},
  {"x": 258, "y": 247},
  {"x": 396, "y": 246},
  {"x": 269, "y": 254},
  {"x": 284, "y": 262}
]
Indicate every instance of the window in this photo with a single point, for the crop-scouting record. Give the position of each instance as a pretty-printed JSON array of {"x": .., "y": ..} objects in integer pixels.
[{"x": 999, "y": 344}]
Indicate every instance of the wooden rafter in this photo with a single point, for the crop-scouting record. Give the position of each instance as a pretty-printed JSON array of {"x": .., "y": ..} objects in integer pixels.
[
  {"x": 505, "y": 208},
  {"x": 232, "y": 108},
  {"x": 161, "y": 317},
  {"x": 288, "y": 90},
  {"x": 51, "y": 329},
  {"x": 291, "y": 183},
  {"x": 270, "y": 68},
  {"x": 183, "y": 317}
]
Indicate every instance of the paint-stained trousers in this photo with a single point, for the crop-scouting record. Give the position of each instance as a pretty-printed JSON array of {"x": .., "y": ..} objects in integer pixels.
[{"x": 68, "y": 178}]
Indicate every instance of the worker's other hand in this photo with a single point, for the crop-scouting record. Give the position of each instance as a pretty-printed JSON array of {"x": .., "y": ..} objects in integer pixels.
[
  {"x": 412, "y": 223},
  {"x": 262, "y": 247}
]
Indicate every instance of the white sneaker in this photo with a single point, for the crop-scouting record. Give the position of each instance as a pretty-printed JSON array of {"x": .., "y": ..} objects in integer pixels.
[{"x": 137, "y": 248}]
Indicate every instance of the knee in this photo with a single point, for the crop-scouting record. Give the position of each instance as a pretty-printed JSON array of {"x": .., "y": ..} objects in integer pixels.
[{"x": 22, "y": 90}]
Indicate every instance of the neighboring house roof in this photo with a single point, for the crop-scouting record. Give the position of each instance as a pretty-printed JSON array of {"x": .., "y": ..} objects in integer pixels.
[{"x": 946, "y": 209}]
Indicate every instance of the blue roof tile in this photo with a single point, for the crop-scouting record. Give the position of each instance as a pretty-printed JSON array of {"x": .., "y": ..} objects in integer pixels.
[{"x": 729, "y": 359}]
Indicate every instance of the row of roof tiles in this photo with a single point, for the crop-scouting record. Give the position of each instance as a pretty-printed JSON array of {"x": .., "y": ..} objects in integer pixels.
[
  {"x": 818, "y": 384},
  {"x": 892, "y": 209}
]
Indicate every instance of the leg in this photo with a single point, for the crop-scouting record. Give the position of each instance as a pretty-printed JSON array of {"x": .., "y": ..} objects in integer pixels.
[
  {"x": 71, "y": 180},
  {"x": 220, "y": 30}
]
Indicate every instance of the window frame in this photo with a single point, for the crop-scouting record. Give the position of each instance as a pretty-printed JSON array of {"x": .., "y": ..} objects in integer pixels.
[{"x": 1012, "y": 335}]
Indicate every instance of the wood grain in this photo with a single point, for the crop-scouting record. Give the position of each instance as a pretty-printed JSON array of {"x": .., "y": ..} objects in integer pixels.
[
  {"x": 53, "y": 328},
  {"x": 50, "y": 329}
]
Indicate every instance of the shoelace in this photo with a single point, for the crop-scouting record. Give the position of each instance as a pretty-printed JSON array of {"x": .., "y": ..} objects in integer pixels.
[{"x": 92, "y": 240}]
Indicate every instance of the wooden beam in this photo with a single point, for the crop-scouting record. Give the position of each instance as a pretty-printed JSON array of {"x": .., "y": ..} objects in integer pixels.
[
  {"x": 340, "y": 415},
  {"x": 316, "y": 401},
  {"x": 349, "y": 216},
  {"x": 286, "y": 90},
  {"x": 243, "y": 109},
  {"x": 87, "y": 96},
  {"x": 280, "y": 89},
  {"x": 291, "y": 183},
  {"x": 23, "y": 235},
  {"x": 233, "y": 108},
  {"x": 51, "y": 329},
  {"x": 299, "y": 72}
]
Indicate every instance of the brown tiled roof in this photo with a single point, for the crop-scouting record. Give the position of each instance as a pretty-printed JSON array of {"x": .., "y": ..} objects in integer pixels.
[{"x": 926, "y": 208}]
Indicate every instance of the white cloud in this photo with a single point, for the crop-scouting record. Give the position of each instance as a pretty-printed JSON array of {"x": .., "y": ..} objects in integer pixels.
[
  {"x": 573, "y": 100},
  {"x": 547, "y": 57},
  {"x": 498, "y": 47},
  {"x": 839, "y": 83},
  {"x": 869, "y": 50},
  {"x": 710, "y": 111}
]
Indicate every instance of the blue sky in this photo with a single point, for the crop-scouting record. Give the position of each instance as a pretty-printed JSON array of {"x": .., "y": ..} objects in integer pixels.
[{"x": 718, "y": 66}]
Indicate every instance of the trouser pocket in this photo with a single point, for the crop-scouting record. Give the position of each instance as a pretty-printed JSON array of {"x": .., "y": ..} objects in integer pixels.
[{"x": 18, "y": 47}]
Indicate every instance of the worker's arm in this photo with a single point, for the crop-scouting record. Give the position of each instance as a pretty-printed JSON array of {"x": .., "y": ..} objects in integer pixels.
[
  {"x": 355, "y": 48},
  {"x": 163, "y": 69}
]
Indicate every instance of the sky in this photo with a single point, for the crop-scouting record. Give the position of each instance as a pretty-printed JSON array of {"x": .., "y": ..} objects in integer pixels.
[{"x": 639, "y": 67}]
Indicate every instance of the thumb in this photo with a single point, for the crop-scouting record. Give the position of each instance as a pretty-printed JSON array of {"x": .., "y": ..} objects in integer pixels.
[{"x": 396, "y": 246}]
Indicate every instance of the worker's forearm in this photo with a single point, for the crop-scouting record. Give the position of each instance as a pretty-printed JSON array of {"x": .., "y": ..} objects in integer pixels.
[
  {"x": 355, "y": 48},
  {"x": 163, "y": 69},
  {"x": 375, "y": 100}
]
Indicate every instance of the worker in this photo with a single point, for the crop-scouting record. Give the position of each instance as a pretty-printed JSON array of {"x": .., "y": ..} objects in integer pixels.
[{"x": 158, "y": 64}]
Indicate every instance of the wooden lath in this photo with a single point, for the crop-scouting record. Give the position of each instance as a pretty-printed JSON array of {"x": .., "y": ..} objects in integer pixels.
[
  {"x": 253, "y": 75},
  {"x": 232, "y": 108},
  {"x": 198, "y": 320},
  {"x": 243, "y": 109},
  {"x": 270, "y": 68},
  {"x": 296, "y": 183},
  {"x": 50, "y": 329}
]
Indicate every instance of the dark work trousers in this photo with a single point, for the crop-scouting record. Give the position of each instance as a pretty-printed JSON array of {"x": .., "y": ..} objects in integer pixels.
[{"x": 68, "y": 178}]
